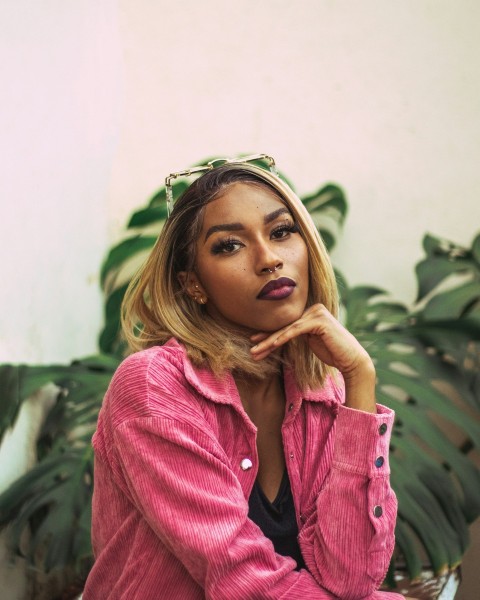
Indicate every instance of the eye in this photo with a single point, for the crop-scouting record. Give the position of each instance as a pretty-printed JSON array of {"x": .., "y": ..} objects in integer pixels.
[
  {"x": 282, "y": 231},
  {"x": 226, "y": 246}
]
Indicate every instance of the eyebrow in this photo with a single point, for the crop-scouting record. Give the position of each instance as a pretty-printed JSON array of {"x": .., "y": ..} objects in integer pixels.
[{"x": 238, "y": 226}]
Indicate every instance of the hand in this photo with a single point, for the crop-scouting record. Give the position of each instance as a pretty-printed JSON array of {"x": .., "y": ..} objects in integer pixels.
[
  {"x": 327, "y": 338},
  {"x": 333, "y": 345}
]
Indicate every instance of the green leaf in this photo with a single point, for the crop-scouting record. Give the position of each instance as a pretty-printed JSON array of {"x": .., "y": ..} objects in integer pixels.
[
  {"x": 123, "y": 252},
  {"x": 476, "y": 250},
  {"x": 466, "y": 328},
  {"x": 328, "y": 238},
  {"x": 327, "y": 207},
  {"x": 430, "y": 398},
  {"x": 431, "y": 519},
  {"x": 433, "y": 270},
  {"x": 422, "y": 433},
  {"x": 52, "y": 496},
  {"x": 19, "y": 382},
  {"x": 99, "y": 362},
  {"x": 434, "y": 246},
  {"x": 422, "y": 521},
  {"x": 414, "y": 353},
  {"x": 109, "y": 336},
  {"x": 327, "y": 197},
  {"x": 453, "y": 303},
  {"x": 431, "y": 244},
  {"x": 82, "y": 546},
  {"x": 406, "y": 542},
  {"x": 147, "y": 216},
  {"x": 159, "y": 199},
  {"x": 356, "y": 302},
  {"x": 10, "y": 398}
]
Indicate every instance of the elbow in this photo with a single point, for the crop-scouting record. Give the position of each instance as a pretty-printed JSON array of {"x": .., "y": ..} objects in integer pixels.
[
  {"x": 353, "y": 588},
  {"x": 353, "y": 576}
]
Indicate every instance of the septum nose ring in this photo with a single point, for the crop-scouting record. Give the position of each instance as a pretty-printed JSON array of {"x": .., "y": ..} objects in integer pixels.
[{"x": 272, "y": 270}]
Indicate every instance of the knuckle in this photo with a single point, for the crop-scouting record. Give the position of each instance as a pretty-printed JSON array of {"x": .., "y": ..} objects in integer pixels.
[{"x": 319, "y": 309}]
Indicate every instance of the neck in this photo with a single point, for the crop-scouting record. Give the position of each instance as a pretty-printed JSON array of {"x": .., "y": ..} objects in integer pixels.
[{"x": 258, "y": 394}]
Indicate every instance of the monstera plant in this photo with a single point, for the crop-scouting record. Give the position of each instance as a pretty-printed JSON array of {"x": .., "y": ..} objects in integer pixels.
[
  {"x": 427, "y": 361},
  {"x": 428, "y": 369}
]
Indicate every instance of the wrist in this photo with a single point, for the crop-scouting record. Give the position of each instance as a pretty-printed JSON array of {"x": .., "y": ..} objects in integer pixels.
[{"x": 360, "y": 387}]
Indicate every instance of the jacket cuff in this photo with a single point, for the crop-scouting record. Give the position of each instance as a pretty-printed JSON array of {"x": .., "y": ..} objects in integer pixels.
[{"x": 362, "y": 441}]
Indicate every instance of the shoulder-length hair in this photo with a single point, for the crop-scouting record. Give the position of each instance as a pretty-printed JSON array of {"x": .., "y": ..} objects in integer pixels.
[{"x": 156, "y": 306}]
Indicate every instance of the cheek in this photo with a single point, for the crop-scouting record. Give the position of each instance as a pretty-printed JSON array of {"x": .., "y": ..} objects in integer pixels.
[
  {"x": 297, "y": 256},
  {"x": 221, "y": 281}
]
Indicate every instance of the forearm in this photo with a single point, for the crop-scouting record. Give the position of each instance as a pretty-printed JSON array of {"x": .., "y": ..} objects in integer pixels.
[
  {"x": 348, "y": 539},
  {"x": 360, "y": 387}
]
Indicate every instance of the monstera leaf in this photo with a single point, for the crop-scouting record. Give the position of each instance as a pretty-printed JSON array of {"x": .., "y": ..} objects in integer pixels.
[
  {"x": 53, "y": 500},
  {"x": 427, "y": 361}
]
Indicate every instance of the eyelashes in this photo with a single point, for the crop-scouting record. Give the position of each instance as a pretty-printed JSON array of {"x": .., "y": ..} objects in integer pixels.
[
  {"x": 231, "y": 244},
  {"x": 285, "y": 229},
  {"x": 226, "y": 246}
]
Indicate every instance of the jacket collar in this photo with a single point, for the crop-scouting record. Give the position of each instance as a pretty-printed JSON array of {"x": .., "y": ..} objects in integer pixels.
[{"x": 224, "y": 390}]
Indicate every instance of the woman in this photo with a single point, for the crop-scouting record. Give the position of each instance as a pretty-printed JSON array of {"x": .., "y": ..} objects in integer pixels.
[{"x": 240, "y": 454}]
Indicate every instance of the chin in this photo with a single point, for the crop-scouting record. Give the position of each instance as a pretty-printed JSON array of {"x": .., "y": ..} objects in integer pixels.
[{"x": 274, "y": 323}]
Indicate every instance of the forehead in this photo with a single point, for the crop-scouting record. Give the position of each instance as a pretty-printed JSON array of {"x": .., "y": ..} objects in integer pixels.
[{"x": 241, "y": 201}]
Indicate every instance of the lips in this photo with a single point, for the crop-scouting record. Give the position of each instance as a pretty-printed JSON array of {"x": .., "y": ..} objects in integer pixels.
[{"x": 277, "y": 289}]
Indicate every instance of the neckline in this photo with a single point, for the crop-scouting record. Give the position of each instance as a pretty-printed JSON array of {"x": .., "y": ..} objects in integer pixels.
[{"x": 281, "y": 493}]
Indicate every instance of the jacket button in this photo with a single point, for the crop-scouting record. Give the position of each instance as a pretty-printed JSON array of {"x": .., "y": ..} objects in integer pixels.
[
  {"x": 246, "y": 464},
  {"x": 379, "y": 461},
  {"x": 382, "y": 429},
  {"x": 378, "y": 511},
  {"x": 290, "y": 407}
]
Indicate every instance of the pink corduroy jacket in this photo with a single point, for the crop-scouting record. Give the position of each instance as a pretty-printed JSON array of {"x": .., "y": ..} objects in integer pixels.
[{"x": 170, "y": 502}]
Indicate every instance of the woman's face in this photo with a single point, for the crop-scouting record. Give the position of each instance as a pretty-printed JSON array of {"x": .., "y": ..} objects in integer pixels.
[{"x": 252, "y": 264}]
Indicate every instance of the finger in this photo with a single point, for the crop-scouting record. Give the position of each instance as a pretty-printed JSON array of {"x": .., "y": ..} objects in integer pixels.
[
  {"x": 258, "y": 337},
  {"x": 277, "y": 339},
  {"x": 265, "y": 346},
  {"x": 267, "y": 343},
  {"x": 262, "y": 355},
  {"x": 305, "y": 324}
]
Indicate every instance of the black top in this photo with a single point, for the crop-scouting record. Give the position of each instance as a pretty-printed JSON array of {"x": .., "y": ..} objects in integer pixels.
[{"x": 277, "y": 519}]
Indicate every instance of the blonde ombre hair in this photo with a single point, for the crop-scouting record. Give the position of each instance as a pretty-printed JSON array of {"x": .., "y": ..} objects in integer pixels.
[{"x": 156, "y": 306}]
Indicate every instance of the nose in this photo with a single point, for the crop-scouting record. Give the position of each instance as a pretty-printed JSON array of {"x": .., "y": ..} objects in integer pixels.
[
  {"x": 273, "y": 268},
  {"x": 268, "y": 259}
]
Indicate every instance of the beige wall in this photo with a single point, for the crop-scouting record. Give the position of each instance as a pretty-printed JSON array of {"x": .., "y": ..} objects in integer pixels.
[
  {"x": 59, "y": 122},
  {"x": 102, "y": 99},
  {"x": 381, "y": 97}
]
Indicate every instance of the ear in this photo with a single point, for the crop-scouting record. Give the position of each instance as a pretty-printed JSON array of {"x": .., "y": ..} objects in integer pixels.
[{"x": 192, "y": 286}]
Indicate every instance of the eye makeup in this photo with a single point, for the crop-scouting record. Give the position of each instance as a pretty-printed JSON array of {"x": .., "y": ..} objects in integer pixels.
[{"x": 231, "y": 244}]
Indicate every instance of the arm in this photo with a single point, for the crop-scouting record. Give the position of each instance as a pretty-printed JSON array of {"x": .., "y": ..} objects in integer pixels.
[
  {"x": 348, "y": 536},
  {"x": 346, "y": 542},
  {"x": 173, "y": 470},
  {"x": 188, "y": 495}
]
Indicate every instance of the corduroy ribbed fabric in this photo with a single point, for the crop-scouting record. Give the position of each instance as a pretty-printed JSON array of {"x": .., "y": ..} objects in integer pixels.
[{"x": 170, "y": 502}]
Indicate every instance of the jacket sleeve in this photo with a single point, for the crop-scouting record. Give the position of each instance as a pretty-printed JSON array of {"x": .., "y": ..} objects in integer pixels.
[
  {"x": 348, "y": 535},
  {"x": 185, "y": 490},
  {"x": 171, "y": 466}
]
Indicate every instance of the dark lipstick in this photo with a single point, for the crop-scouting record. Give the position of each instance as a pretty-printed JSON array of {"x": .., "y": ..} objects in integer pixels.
[{"x": 277, "y": 289}]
